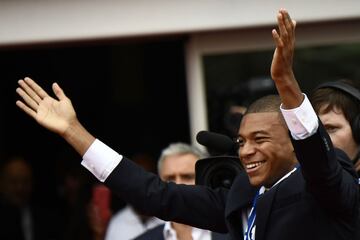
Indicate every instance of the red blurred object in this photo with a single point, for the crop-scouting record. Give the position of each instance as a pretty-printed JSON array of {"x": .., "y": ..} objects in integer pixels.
[{"x": 101, "y": 199}]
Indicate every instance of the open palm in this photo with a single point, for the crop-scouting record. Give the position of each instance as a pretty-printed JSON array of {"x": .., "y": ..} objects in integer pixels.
[
  {"x": 55, "y": 115},
  {"x": 285, "y": 41}
]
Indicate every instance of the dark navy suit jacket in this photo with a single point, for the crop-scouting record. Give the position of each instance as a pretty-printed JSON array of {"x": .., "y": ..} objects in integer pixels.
[{"x": 318, "y": 201}]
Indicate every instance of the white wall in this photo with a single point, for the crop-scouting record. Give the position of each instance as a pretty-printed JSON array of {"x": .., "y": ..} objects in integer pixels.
[{"x": 37, "y": 21}]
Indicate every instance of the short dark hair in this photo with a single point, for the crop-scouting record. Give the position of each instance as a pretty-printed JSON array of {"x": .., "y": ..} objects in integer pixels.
[
  {"x": 335, "y": 98},
  {"x": 269, "y": 103}
]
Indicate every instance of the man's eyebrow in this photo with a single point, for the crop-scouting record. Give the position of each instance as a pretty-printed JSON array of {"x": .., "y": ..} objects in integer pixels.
[
  {"x": 254, "y": 133},
  {"x": 261, "y": 132}
]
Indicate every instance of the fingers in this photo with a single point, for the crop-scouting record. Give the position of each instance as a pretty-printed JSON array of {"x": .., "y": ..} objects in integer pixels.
[
  {"x": 287, "y": 20},
  {"x": 36, "y": 88},
  {"x": 286, "y": 25},
  {"x": 26, "y": 98},
  {"x": 282, "y": 26},
  {"x": 32, "y": 95},
  {"x": 26, "y": 109},
  {"x": 58, "y": 91},
  {"x": 27, "y": 92},
  {"x": 277, "y": 39}
]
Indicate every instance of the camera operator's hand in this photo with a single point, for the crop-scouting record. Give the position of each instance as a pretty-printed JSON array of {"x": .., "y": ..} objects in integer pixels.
[{"x": 56, "y": 115}]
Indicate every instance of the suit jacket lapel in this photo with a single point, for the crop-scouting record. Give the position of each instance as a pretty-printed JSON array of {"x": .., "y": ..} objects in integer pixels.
[
  {"x": 263, "y": 208},
  {"x": 241, "y": 194},
  {"x": 240, "y": 198}
]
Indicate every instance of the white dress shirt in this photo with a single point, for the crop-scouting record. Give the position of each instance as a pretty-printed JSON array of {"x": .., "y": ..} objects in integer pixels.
[
  {"x": 126, "y": 225},
  {"x": 196, "y": 233}
]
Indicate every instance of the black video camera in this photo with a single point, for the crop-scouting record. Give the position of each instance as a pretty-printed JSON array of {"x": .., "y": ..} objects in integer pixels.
[{"x": 220, "y": 169}]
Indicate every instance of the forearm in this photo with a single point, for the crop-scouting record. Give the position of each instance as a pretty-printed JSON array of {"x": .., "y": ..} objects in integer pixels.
[
  {"x": 168, "y": 201},
  {"x": 78, "y": 137},
  {"x": 289, "y": 91}
]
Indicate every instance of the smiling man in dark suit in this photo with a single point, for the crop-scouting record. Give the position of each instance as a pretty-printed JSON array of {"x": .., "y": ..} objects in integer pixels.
[{"x": 296, "y": 187}]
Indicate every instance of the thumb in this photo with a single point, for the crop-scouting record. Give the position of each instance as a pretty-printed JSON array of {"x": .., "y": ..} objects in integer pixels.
[{"x": 58, "y": 91}]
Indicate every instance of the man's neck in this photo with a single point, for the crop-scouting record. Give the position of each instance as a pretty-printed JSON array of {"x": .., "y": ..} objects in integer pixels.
[{"x": 183, "y": 232}]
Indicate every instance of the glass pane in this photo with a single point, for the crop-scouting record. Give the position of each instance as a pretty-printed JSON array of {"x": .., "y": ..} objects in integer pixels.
[{"x": 236, "y": 79}]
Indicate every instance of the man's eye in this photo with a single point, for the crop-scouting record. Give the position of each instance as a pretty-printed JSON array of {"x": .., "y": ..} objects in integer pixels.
[
  {"x": 169, "y": 179},
  {"x": 331, "y": 129},
  {"x": 189, "y": 177},
  {"x": 239, "y": 142}
]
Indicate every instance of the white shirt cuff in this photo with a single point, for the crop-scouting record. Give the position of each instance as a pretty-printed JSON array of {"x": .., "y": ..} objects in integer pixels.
[
  {"x": 100, "y": 160},
  {"x": 301, "y": 121}
]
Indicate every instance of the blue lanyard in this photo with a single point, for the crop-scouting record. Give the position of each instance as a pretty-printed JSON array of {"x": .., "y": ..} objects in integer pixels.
[{"x": 251, "y": 219}]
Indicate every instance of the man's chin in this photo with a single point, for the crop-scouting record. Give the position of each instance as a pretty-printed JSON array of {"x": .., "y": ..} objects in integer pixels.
[{"x": 256, "y": 181}]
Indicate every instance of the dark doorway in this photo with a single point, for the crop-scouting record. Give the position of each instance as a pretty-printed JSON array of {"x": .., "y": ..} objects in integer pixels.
[{"x": 131, "y": 96}]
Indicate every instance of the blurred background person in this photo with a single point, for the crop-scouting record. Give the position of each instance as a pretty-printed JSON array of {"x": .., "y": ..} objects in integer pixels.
[
  {"x": 177, "y": 164},
  {"x": 79, "y": 217},
  {"x": 128, "y": 222},
  {"x": 20, "y": 217},
  {"x": 338, "y": 106}
]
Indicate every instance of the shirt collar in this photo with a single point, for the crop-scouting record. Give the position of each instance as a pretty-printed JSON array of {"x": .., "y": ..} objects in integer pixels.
[{"x": 197, "y": 233}]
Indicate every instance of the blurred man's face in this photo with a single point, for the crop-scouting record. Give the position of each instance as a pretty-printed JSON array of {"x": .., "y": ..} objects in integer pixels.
[
  {"x": 16, "y": 182},
  {"x": 339, "y": 130},
  {"x": 265, "y": 149},
  {"x": 179, "y": 169}
]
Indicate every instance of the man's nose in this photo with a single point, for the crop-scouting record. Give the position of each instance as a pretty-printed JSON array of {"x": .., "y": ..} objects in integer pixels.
[{"x": 246, "y": 150}]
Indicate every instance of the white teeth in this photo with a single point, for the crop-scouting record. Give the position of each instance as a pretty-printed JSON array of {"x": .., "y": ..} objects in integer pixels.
[{"x": 253, "y": 165}]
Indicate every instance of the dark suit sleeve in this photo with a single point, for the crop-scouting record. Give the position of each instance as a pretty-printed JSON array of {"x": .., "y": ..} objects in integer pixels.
[
  {"x": 197, "y": 206},
  {"x": 328, "y": 174}
]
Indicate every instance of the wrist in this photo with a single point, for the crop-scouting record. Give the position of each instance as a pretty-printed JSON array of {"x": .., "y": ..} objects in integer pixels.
[
  {"x": 70, "y": 130},
  {"x": 289, "y": 90},
  {"x": 78, "y": 137}
]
